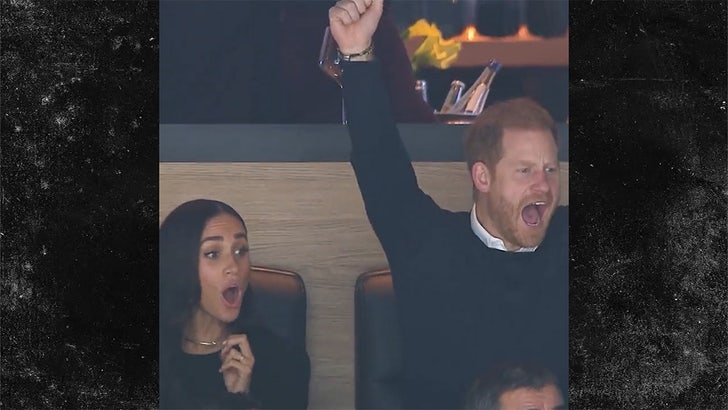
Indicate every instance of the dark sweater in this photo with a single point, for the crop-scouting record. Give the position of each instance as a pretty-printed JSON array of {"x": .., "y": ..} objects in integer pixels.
[
  {"x": 463, "y": 307},
  {"x": 280, "y": 378}
]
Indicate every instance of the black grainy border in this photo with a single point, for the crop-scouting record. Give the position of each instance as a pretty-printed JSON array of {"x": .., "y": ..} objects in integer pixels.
[
  {"x": 649, "y": 286},
  {"x": 79, "y": 196},
  {"x": 80, "y": 201}
]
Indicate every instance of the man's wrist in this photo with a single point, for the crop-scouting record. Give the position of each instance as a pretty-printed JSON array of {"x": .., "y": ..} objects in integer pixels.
[
  {"x": 368, "y": 57},
  {"x": 366, "y": 54}
]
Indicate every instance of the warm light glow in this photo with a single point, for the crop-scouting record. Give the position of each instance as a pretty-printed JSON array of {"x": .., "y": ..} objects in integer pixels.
[
  {"x": 470, "y": 33},
  {"x": 524, "y": 34}
]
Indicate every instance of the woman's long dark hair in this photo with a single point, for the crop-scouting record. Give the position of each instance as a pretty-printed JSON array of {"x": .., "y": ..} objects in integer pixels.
[{"x": 179, "y": 282}]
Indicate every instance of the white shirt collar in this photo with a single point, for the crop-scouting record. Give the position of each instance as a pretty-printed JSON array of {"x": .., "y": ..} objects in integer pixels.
[{"x": 488, "y": 239}]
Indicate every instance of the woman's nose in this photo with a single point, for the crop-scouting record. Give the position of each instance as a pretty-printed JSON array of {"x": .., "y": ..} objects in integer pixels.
[{"x": 231, "y": 267}]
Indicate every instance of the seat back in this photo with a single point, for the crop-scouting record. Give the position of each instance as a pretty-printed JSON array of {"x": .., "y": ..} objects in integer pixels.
[
  {"x": 280, "y": 302},
  {"x": 378, "y": 344}
]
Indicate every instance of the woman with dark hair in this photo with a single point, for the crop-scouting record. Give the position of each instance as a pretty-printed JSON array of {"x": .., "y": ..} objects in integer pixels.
[{"x": 213, "y": 352}]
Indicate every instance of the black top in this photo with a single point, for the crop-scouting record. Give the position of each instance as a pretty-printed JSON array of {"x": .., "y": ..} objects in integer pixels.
[
  {"x": 280, "y": 378},
  {"x": 463, "y": 307}
]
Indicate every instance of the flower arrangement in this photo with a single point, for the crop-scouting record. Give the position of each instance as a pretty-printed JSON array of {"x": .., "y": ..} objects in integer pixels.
[{"x": 434, "y": 51}]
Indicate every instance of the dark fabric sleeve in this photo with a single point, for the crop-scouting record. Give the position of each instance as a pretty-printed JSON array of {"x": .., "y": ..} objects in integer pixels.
[
  {"x": 236, "y": 401},
  {"x": 193, "y": 382},
  {"x": 399, "y": 212},
  {"x": 281, "y": 372}
]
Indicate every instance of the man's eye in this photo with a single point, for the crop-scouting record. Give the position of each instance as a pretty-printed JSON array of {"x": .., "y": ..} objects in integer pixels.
[
  {"x": 241, "y": 251},
  {"x": 551, "y": 170},
  {"x": 523, "y": 170}
]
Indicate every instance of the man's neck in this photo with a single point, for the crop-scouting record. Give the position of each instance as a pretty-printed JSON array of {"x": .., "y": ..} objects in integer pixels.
[{"x": 483, "y": 227}]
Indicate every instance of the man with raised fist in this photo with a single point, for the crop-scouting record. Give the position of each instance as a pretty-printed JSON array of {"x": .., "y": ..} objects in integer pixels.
[{"x": 474, "y": 289}]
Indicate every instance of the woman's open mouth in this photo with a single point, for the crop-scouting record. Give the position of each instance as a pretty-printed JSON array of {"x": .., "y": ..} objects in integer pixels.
[{"x": 232, "y": 296}]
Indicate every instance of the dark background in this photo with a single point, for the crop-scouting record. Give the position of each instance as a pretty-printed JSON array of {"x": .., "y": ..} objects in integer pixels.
[
  {"x": 247, "y": 61},
  {"x": 79, "y": 199},
  {"x": 79, "y": 204},
  {"x": 648, "y": 196}
]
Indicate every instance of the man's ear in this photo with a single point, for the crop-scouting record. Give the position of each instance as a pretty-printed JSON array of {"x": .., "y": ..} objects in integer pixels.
[{"x": 481, "y": 176}]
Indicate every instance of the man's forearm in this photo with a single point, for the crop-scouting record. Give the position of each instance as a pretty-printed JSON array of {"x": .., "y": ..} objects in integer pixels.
[{"x": 371, "y": 125}]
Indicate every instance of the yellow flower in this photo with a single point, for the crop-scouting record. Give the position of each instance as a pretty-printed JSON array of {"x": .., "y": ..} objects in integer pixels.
[
  {"x": 422, "y": 28},
  {"x": 434, "y": 51}
]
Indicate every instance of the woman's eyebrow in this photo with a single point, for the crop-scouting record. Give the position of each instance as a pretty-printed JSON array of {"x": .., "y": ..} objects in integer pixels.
[
  {"x": 220, "y": 238},
  {"x": 211, "y": 238}
]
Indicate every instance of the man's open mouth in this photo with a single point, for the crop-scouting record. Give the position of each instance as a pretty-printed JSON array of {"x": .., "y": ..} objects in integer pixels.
[{"x": 532, "y": 214}]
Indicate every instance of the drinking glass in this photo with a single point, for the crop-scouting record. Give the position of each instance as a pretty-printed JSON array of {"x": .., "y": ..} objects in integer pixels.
[{"x": 330, "y": 64}]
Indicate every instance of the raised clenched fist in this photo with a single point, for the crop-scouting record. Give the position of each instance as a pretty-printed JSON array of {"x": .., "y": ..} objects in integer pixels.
[{"x": 353, "y": 23}]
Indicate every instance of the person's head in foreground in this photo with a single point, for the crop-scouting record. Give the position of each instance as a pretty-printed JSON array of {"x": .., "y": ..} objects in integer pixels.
[
  {"x": 204, "y": 271},
  {"x": 214, "y": 351},
  {"x": 515, "y": 387},
  {"x": 512, "y": 156},
  {"x": 203, "y": 277}
]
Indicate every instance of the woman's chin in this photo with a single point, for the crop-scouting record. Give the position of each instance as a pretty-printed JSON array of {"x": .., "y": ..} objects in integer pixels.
[{"x": 229, "y": 317}]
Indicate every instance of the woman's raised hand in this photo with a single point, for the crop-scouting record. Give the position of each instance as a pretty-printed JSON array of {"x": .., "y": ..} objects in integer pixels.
[{"x": 237, "y": 363}]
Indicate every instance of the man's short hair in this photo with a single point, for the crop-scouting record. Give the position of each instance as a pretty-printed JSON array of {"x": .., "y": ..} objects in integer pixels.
[
  {"x": 486, "y": 391},
  {"x": 484, "y": 138}
]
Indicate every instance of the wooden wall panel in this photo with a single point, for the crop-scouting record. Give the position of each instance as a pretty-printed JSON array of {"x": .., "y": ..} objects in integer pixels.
[{"x": 309, "y": 218}]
